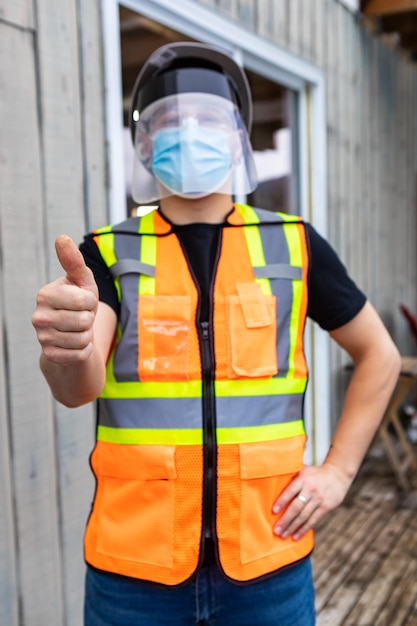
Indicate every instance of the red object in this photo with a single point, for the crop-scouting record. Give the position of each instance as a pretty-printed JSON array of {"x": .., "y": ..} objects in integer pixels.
[{"x": 411, "y": 319}]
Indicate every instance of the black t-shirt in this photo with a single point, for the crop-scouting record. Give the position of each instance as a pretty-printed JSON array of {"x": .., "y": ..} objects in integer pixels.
[{"x": 333, "y": 298}]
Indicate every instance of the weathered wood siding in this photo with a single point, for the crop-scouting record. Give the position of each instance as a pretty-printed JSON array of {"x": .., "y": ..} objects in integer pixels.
[
  {"x": 52, "y": 172},
  {"x": 53, "y": 180}
]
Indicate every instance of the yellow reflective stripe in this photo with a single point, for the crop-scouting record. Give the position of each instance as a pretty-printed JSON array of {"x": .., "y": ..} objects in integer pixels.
[
  {"x": 146, "y": 224},
  {"x": 294, "y": 247},
  {"x": 192, "y": 388},
  {"x": 147, "y": 284},
  {"x": 294, "y": 244},
  {"x": 106, "y": 246},
  {"x": 252, "y": 434},
  {"x": 150, "y": 436},
  {"x": 297, "y": 288},
  {"x": 260, "y": 387},
  {"x": 286, "y": 217},
  {"x": 248, "y": 213},
  {"x": 255, "y": 247},
  {"x": 192, "y": 436}
]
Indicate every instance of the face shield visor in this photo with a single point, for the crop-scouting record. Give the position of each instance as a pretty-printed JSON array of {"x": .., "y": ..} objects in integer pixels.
[{"x": 191, "y": 145}]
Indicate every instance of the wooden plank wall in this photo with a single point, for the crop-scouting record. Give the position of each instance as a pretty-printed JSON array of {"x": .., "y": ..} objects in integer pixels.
[
  {"x": 371, "y": 99},
  {"x": 53, "y": 180}
]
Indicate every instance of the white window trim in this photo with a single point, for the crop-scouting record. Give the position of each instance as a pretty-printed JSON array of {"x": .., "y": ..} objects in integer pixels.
[
  {"x": 352, "y": 5},
  {"x": 267, "y": 59}
]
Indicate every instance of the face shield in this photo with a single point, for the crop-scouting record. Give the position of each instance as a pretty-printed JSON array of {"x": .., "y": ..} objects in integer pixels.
[{"x": 191, "y": 145}]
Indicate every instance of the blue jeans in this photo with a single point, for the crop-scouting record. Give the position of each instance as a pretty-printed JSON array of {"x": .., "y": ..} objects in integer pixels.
[{"x": 285, "y": 599}]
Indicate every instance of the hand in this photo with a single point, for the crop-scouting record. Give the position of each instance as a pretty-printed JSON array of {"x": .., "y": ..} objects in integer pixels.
[
  {"x": 66, "y": 308},
  {"x": 309, "y": 496}
]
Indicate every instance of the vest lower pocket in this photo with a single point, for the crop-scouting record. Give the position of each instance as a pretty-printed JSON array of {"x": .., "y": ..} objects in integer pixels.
[
  {"x": 135, "y": 503},
  {"x": 266, "y": 468}
]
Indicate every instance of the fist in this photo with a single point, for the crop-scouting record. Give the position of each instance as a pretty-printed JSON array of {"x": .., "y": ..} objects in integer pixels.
[{"x": 66, "y": 308}]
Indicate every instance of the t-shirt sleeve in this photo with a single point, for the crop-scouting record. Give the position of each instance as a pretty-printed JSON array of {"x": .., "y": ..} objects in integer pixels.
[
  {"x": 334, "y": 299},
  {"x": 105, "y": 283}
]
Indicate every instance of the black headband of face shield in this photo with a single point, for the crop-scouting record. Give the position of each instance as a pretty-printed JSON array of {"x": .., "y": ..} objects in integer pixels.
[{"x": 186, "y": 80}]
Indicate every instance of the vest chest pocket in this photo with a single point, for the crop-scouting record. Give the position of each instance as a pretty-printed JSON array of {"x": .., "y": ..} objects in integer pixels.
[
  {"x": 164, "y": 337},
  {"x": 252, "y": 330},
  {"x": 135, "y": 500}
]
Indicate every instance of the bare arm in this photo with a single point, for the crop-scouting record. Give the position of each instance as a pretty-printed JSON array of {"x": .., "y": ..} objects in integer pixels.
[
  {"x": 377, "y": 365},
  {"x": 75, "y": 330}
]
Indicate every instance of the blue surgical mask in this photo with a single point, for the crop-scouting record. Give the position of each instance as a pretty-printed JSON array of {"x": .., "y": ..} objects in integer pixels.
[{"x": 191, "y": 160}]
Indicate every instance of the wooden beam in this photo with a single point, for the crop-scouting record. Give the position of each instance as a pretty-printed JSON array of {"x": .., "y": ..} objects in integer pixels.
[
  {"x": 398, "y": 23},
  {"x": 388, "y": 7}
]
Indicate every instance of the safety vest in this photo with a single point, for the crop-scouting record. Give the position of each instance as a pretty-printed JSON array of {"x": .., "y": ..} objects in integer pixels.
[{"x": 200, "y": 425}]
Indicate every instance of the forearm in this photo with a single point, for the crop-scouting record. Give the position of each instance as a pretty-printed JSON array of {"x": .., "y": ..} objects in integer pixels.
[{"x": 75, "y": 384}]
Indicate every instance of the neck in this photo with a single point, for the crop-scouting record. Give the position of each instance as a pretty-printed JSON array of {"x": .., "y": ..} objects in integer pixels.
[{"x": 211, "y": 209}]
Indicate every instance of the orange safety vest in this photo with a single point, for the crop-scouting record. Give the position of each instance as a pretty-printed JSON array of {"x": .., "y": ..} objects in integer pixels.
[{"x": 201, "y": 425}]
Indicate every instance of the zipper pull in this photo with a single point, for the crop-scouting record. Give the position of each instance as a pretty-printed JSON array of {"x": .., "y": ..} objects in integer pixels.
[{"x": 205, "y": 329}]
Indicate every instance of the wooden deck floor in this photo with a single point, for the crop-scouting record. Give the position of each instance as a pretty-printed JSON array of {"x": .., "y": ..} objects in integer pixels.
[{"x": 365, "y": 560}]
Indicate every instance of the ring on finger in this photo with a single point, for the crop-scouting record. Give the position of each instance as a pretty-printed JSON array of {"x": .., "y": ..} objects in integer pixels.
[{"x": 302, "y": 498}]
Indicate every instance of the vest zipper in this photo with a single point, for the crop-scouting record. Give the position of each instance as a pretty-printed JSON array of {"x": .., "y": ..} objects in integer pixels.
[
  {"x": 209, "y": 418},
  {"x": 209, "y": 437},
  {"x": 205, "y": 334}
]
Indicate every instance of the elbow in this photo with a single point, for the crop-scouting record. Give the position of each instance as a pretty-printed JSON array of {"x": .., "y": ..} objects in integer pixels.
[
  {"x": 392, "y": 354},
  {"x": 396, "y": 359},
  {"x": 390, "y": 360}
]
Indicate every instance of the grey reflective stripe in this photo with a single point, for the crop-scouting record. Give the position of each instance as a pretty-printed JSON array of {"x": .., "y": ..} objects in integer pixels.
[
  {"x": 278, "y": 270},
  {"x": 234, "y": 412},
  {"x": 231, "y": 412},
  {"x": 160, "y": 413},
  {"x": 127, "y": 246},
  {"x": 131, "y": 224},
  {"x": 125, "y": 363},
  {"x": 275, "y": 248},
  {"x": 267, "y": 216},
  {"x": 131, "y": 266}
]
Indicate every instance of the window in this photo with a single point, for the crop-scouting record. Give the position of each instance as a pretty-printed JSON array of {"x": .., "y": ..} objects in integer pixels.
[
  {"x": 274, "y": 120},
  {"x": 275, "y": 145}
]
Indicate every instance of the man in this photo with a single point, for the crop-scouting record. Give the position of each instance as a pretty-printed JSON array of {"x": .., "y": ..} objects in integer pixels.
[{"x": 193, "y": 345}]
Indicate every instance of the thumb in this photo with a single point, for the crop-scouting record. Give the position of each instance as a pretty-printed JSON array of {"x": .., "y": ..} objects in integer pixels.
[{"x": 72, "y": 262}]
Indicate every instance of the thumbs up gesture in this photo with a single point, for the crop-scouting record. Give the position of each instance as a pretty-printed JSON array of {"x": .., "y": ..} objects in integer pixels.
[{"x": 66, "y": 309}]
